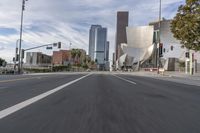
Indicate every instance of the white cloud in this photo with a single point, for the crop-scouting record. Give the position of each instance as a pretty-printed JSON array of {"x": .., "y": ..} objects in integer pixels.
[{"x": 48, "y": 21}]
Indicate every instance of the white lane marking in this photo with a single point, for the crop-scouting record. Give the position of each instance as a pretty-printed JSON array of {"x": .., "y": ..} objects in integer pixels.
[
  {"x": 125, "y": 79},
  {"x": 28, "y": 102}
]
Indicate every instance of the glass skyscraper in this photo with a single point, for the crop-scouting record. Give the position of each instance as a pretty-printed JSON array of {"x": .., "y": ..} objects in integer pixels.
[
  {"x": 92, "y": 40},
  {"x": 98, "y": 44}
]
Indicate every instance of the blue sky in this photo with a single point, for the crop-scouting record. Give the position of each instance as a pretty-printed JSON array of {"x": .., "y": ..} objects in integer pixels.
[{"x": 49, "y": 21}]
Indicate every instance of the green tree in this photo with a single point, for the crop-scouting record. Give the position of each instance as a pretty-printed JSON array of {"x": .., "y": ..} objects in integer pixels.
[
  {"x": 92, "y": 62},
  {"x": 85, "y": 60},
  {"x": 88, "y": 60},
  {"x": 73, "y": 54},
  {"x": 78, "y": 55},
  {"x": 186, "y": 25},
  {"x": 2, "y": 62}
]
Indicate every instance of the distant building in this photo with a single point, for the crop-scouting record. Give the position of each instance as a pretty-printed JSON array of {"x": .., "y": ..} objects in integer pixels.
[
  {"x": 62, "y": 57},
  {"x": 92, "y": 40},
  {"x": 138, "y": 49},
  {"x": 172, "y": 52},
  {"x": 107, "y": 48},
  {"x": 121, "y": 37},
  {"x": 98, "y": 45},
  {"x": 38, "y": 59}
]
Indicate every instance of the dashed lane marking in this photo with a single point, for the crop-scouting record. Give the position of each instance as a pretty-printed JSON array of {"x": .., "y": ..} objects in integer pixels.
[
  {"x": 19, "y": 106},
  {"x": 129, "y": 81}
]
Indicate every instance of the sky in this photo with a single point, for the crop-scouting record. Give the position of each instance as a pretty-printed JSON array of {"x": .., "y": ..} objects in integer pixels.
[{"x": 50, "y": 21}]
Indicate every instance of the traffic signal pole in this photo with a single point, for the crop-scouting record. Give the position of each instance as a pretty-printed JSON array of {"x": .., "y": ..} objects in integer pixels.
[{"x": 20, "y": 40}]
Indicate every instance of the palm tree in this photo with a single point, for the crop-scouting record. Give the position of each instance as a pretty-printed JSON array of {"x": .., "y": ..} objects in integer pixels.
[
  {"x": 73, "y": 54},
  {"x": 78, "y": 54}
]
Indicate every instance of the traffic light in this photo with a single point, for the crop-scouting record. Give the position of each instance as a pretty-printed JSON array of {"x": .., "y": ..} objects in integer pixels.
[
  {"x": 59, "y": 44},
  {"x": 160, "y": 50},
  {"x": 23, "y": 53},
  {"x": 17, "y": 59},
  {"x": 55, "y": 44},
  {"x": 187, "y": 55}
]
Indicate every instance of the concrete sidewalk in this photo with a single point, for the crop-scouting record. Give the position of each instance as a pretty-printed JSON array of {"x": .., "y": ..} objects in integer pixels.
[
  {"x": 169, "y": 76},
  {"x": 183, "y": 75},
  {"x": 165, "y": 74}
]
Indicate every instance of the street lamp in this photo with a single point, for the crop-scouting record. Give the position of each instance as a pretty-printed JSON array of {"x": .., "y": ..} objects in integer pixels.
[
  {"x": 20, "y": 40},
  {"x": 159, "y": 40}
]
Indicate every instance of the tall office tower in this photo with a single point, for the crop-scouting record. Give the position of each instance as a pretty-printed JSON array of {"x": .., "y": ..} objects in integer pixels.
[
  {"x": 92, "y": 40},
  {"x": 122, "y": 23},
  {"x": 107, "y": 51},
  {"x": 97, "y": 43},
  {"x": 100, "y": 44}
]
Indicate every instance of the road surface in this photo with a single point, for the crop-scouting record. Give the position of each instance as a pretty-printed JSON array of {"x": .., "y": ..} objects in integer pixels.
[{"x": 97, "y": 103}]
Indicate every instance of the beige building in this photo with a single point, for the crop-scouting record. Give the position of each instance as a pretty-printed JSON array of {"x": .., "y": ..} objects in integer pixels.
[{"x": 38, "y": 59}]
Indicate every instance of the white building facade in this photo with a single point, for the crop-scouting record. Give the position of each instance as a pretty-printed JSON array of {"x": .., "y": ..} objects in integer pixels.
[{"x": 142, "y": 49}]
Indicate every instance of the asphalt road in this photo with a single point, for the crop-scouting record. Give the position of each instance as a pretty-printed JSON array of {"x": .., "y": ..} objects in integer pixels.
[{"x": 98, "y": 103}]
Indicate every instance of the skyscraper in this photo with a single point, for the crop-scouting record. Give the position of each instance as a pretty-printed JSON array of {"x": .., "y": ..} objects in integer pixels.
[
  {"x": 97, "y": 44},
  {"x": 92, "y": 40},
  {"x": 100, "y": 44},
  {"x": 122, "y": 23},
  {"x": 107, "y": 51}
]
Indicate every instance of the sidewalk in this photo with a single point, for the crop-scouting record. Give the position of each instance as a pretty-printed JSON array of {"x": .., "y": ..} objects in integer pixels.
[
  {"x": 178, "y": 77},
  {"x": 167, "y": 74},
  {"x": 183, "y": 75}
]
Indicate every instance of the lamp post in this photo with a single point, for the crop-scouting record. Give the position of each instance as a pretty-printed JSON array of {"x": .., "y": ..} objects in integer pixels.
[
  {"x": 159, "y": 33},
  {"x": 20, "y": 40}
]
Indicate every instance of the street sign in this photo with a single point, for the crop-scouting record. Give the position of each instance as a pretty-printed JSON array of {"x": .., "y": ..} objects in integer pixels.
[{"x": 49, "y": 48}]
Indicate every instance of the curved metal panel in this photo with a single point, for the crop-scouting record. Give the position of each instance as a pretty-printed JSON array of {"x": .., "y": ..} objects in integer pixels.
[{"x": 140, "y": 37}]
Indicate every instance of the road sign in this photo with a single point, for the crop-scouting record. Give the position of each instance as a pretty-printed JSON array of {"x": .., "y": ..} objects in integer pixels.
[{"x": 49, "y": 48}]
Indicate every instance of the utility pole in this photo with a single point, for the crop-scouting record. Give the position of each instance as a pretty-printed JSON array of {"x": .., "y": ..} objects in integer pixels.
[{"x": 20, "y": 40}]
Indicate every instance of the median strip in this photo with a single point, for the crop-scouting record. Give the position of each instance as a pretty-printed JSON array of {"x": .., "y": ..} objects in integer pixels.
[
  {"x": 129, "y": 81},
  {"x": 28, "y": 102}
]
